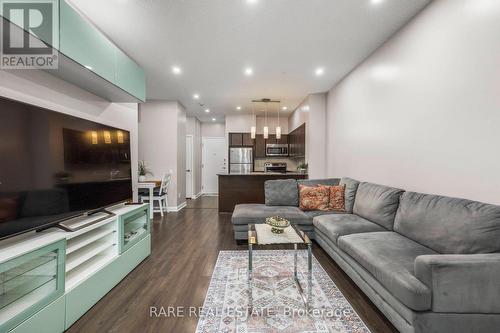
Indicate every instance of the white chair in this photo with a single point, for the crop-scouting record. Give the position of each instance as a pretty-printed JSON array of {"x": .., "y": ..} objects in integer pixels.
[{"x": 160, "y": 194}]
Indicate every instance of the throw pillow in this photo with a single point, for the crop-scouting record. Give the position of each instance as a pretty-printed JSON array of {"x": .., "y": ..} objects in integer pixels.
[
  {"x": 314, "y": 197},
  {"x": 337, "y": 198}
]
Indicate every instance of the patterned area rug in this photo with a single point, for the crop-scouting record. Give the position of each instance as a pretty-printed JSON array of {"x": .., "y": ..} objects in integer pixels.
[{"x": 277, "y": 304}]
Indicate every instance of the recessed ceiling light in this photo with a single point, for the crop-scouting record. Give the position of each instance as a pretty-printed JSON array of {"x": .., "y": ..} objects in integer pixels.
[
  {"x": 319, "y": 71},
  {"x": 207, "y": 110},
  {"x": 176, "y": 70},
  {"x": 376, "y": 2},
  {"x": 196, "y": 96},
  {"x": 238, "y": 108},
  {"x": 213, "y": 119},
  {"x": 248, "y": 71},
  {"x": 251, "y": 2},
  {"x": 284, "y": 108}
]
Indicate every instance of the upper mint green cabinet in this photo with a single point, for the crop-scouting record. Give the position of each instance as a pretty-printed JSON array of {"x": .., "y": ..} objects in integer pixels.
[
  {"x": 129, "y": 76},
  {"x": 86, "y": 45}
]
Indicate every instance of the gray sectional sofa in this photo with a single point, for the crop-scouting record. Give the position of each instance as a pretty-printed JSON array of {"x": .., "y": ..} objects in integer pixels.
[{"x": 429, "y": 263}]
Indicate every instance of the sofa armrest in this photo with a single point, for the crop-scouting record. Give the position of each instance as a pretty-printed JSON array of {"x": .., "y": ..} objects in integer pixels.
[{"x": 463, "y": 283}]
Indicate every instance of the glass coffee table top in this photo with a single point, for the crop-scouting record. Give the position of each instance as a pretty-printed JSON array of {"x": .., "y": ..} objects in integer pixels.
[{"x": 292, "y": 235}]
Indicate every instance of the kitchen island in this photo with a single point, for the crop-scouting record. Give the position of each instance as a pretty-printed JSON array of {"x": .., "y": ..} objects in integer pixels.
[{"x": 236, "y": 189}]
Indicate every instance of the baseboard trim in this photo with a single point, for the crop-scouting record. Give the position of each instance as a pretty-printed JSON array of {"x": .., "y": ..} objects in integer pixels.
[
  {"x": 194, "y": 197},
  {"x": 213, "y": 194},
  {"x": 177, "y": 208}
]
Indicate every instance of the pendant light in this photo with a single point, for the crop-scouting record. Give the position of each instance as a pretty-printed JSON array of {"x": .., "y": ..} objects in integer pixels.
[
  {"x": 266, "y": 129},
  {"x": 278, "y": 128},
  {"x": 253, "y": 129}
]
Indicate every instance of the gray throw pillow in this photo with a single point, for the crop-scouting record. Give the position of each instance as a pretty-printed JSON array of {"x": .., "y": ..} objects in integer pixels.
[
  {"x": 351, "y": 187},
  {"x": 281, "y": 192}
]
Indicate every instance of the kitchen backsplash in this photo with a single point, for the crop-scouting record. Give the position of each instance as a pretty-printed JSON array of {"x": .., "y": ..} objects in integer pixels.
[{"x": 291, "y": 164}]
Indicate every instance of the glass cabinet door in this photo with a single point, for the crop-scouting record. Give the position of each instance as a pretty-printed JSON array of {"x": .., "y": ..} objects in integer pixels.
[
  {"x": 29, "y": 282},
  {"x": 133, "y": 227}
]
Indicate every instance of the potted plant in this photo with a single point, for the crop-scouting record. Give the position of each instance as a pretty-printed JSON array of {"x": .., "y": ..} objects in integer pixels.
[
  {"x": 143, "y": 171},
  {"x": 302, "y": 168}
]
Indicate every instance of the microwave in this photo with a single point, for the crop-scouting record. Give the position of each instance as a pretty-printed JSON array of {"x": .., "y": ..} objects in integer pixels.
[{"x": 276, "y": 150}]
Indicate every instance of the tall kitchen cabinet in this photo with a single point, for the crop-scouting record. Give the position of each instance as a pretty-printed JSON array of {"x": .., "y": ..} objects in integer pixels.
[{"x": 297, "y": 142}]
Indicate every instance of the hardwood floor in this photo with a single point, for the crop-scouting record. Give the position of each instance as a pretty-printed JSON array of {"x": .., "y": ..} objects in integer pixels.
[{"x": 177, "y": 274}]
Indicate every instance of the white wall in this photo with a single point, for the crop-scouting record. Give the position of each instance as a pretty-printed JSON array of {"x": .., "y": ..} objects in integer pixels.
[
  {"x": 272, "y": 123},
  {"x": 44, "y": 90},
  {"x": 213, "y": 130},
  {"x": 423, "y": 112},
  {"x": 162, "y": 144},
  {"x": 193, "y": 127}
]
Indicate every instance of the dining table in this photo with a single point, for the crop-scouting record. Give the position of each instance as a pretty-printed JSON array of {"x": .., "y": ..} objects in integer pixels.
[{"x": 150, "y": 186}]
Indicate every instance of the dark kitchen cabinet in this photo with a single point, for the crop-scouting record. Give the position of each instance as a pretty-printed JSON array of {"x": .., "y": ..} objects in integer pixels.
[
  {"x": 247, "y": 140},
  {"x": 271, "y": 139},
  {"x": 260, "y": 146},
  {"x": 235, "y": 139},
  {"x": 297, "y": 142},
  {"x": 283, "y": 140}
]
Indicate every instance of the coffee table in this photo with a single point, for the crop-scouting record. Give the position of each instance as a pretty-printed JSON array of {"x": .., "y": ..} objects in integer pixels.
[{"x": 294, "y": 237}]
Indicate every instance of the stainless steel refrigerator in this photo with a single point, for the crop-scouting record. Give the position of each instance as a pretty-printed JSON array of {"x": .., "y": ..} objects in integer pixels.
[{"x": 241, "y": 160}]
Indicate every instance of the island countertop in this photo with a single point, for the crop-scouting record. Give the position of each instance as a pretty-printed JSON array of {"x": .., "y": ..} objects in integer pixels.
[{"x": 237, "y": 189}]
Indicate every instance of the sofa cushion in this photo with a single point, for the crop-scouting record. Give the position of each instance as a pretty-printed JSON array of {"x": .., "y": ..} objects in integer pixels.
[
  {"x": 318, "y": 182},
  {"x": 351, "y": 187},
  {"x": 449, "y": 225},
  {"x": 314, "y": 197},
  {"x": 334, "y": 226},
  {"x": 389, "y": 257},
  {"x": 257, "y": 213},
  {"x": 313, "y": 213},
  {"x": 377, "y": 203},
  {"x": 281, "y": 192},
  {"x": 337, "y": 198}
]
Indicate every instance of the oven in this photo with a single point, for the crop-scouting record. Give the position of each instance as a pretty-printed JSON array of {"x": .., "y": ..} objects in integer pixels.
[
  {"x": 275, "y": 167},
  {"x": 276, "y": 150}
]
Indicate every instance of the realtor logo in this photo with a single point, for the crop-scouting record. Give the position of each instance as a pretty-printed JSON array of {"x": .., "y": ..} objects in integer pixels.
[{"x": 30, "y": 34}]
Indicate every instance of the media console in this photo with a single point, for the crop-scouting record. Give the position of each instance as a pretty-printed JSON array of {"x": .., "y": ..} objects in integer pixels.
[{"x": 51, "y": 278}]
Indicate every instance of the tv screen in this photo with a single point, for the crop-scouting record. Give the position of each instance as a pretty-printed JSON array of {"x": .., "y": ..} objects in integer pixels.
[{"x": 54, "y": 167}]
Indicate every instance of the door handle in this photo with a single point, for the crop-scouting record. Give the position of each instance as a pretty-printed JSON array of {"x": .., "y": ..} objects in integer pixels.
[{"x": 188, "y": 170}]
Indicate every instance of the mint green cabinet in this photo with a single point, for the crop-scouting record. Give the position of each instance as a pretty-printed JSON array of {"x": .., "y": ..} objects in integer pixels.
[
  {"x": 133, "y": 227},
  {"x": 81, "y": 298},
  {"x": 50, "y": 319},
  {"x": 30, "y": 282},
  {"x": 129, "y": 76},
  {"x": 82, "y": 42}
]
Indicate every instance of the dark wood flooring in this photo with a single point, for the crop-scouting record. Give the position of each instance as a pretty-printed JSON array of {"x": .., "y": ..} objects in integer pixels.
[{"x": 184, "y": 252}]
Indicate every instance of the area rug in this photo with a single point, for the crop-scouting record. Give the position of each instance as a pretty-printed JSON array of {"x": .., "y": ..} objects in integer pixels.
[{"x": 277, "y": 304}]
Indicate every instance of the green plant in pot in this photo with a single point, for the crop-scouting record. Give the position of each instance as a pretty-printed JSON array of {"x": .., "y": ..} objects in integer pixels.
[
  {"x": 302, "y": 168},
  {"x": 143, "y": 171}
]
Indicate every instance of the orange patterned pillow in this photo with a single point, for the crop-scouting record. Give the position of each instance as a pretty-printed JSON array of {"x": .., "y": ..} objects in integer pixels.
[
  {"x": 314, "y": 197},
  {"x": 337, "y": 198}
]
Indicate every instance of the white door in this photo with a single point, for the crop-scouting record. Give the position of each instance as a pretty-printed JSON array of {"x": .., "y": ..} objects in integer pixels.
[
  {"x": 189, "y": 167},
  {"x": 213, "y": 162}
]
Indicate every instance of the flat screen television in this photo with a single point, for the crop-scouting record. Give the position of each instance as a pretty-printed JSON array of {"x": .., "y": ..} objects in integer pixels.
[{"x": 54, "y": 167}]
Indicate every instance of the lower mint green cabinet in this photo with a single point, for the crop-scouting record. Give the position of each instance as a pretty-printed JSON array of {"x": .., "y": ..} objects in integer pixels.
[
  {"x": 50, "y": 319},
  {"x": 81, "y": 298},
  {"x": 30, "y": 282},
  {"x": 133, "y": 227}
]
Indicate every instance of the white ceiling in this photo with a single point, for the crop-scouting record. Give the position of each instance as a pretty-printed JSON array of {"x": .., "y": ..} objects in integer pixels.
[{"x": 284, "y": 41}]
